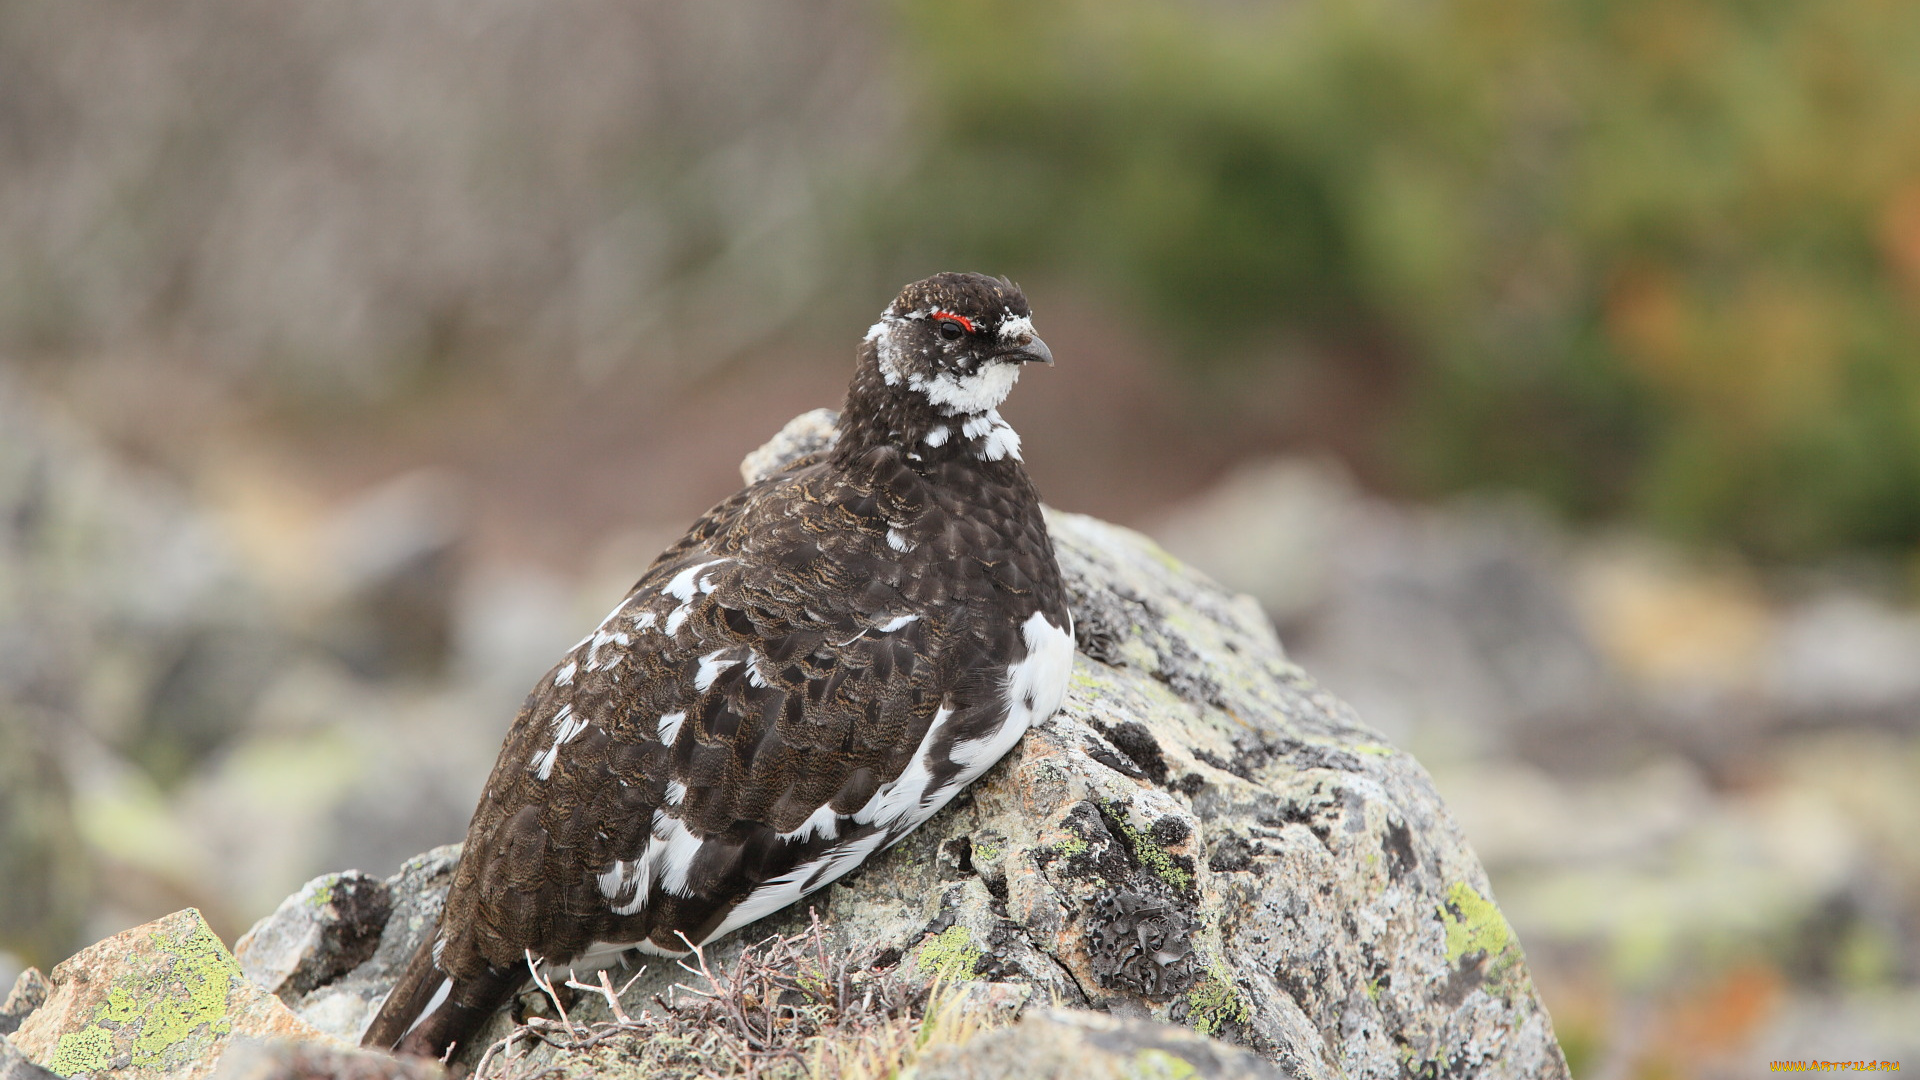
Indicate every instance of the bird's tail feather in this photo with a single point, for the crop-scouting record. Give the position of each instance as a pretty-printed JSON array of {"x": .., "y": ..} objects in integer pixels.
[
  {"x": 408, "y": 998},
  {"x": 429, "y": 1012}
]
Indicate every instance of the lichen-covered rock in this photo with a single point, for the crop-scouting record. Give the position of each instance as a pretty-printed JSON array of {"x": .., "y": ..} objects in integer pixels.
[
  {"x": 283, "y": 1059},
  {"x": 1201, "y": 836},
  {"x": 1072, "y": 1044},
  {"x": 320, "y": 933},
  {"x": 160, "y": 1000}
]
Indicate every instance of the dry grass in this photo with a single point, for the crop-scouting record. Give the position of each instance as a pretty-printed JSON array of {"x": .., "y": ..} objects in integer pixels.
[
  {"x": 788, "y": 1007},
  {"x": 881, "y": 1051}
]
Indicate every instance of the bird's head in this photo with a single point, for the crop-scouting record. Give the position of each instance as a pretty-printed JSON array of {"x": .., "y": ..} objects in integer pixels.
[{"x": 958, "y": 340}]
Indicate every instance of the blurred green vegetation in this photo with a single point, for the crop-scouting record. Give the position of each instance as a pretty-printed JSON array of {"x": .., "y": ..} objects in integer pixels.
[{"x": 1656, "y": 259}]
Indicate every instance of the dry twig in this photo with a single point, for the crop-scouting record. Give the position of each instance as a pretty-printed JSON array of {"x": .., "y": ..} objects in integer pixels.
[{"x": 787, "y": 1006}]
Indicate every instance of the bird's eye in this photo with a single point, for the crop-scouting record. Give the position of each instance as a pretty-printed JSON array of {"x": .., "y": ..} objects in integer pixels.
[{"x": 953, "y": 327}]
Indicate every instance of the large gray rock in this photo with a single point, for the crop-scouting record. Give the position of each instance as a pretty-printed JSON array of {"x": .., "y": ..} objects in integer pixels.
[
  {"x": 1202, "y": 836},
  {"x": 104, "y": 569},
  {"x": 132, "y": 649},
  {"x": 1452, "y": 629}
]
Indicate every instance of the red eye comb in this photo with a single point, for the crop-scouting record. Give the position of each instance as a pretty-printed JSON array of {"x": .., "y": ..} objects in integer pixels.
[{"x": 961, "y": 319}]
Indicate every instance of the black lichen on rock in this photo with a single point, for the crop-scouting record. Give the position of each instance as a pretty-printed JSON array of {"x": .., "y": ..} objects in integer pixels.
[
  {"x": 1132, "y": 738},
  {"x": 1230, "y": 854},
  {"x": 1398, "y": 847}
]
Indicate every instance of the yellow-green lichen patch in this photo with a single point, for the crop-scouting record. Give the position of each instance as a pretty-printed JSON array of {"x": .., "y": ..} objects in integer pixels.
[
  {"x": 950, "y": 956},
  {"x": 1083, "y": 679},
  {"x": 120, "y": 1006},
  {"x": 1150, "y": 854},
  {"x": 1156, "y": 1064},
  {"x": 85, "y": 1051},
  {"x": 1475, "y": 925},
  {"x": 177, "y": 1004},
  {"x": 986, "y": 852},
  {"x": 1161, "y": 556},
  {"x": 1215, "y": 1001},
  {"x": 1067, "y": 849}
]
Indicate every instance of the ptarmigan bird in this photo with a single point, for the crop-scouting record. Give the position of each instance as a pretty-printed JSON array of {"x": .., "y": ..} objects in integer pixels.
[{"x": 818, "y": 666}]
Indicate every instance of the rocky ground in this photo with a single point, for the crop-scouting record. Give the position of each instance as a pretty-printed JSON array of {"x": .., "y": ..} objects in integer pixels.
[{"x": 1692, "y": 785}]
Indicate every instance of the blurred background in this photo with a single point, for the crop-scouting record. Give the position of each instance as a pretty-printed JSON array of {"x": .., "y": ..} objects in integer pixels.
[{"x": 1549, "y": 369}]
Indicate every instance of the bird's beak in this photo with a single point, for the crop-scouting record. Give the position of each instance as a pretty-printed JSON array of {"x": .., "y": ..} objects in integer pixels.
[{"x": 1030, "y": 351}]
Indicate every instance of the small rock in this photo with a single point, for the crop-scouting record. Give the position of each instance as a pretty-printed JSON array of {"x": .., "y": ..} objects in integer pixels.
[
  {"x": 15, "y": 1066},
  {"x": 29, "y": 993},
  {"x": 328, "y": 928},
  {"x": 1068, "y": 1044},
  {"x": 282, "y": 1059},
  {"x": 160, "y": 1000},
  {"x": 804, "y": 434},
  {"x": 343, "y": 1006},
  {"x": 1005, "y": 1001}
]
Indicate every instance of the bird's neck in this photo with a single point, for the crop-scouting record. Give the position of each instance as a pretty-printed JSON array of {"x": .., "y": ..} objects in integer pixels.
[{"x": 879, "y": 414}]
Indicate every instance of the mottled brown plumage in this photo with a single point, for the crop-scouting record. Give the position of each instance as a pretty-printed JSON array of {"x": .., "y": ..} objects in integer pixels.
[{"x": 819, "y": 664}]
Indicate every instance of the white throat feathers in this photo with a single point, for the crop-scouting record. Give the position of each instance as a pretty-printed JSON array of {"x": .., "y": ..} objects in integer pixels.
[
  {"x": 950, "y": 392},
  {"x": 968, "y": 395},
  {"x": 997, "y": 437}
]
